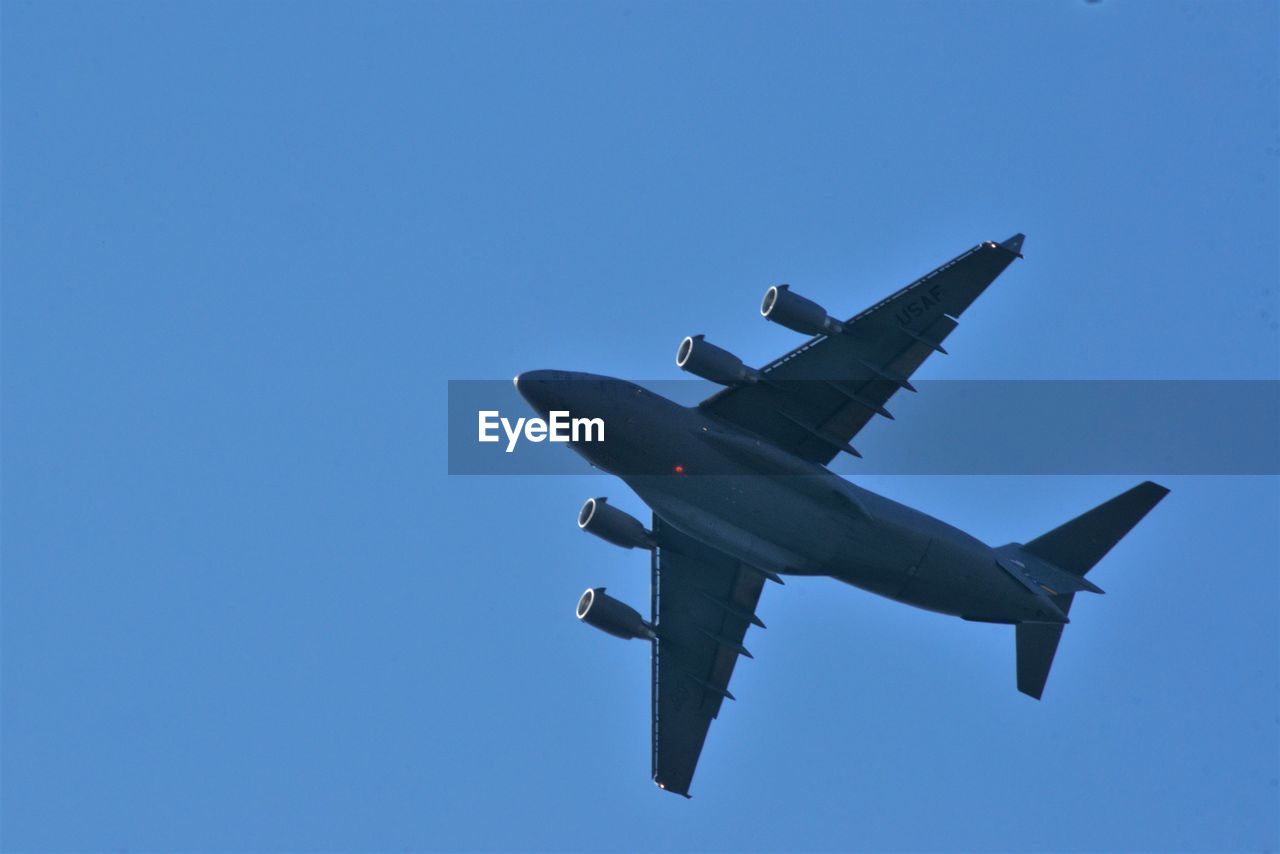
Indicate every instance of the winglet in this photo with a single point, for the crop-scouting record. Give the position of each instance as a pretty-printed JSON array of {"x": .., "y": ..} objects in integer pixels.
[{"x": 1014, "y": 244}]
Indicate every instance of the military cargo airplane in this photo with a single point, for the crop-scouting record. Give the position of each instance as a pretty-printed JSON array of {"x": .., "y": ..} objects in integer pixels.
[{"x": 741, "y": 496}]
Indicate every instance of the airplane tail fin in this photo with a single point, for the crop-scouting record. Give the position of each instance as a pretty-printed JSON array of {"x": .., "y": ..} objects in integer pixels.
[{"x": 1076, "y": 547}]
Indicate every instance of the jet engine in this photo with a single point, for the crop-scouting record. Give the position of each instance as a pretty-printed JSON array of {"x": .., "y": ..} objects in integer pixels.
[
  {"x": 599, "y": 609},
  {"x": 612, "y": 525},
  {"x": 797, "y": 313},
  {"x": 712, "y": 363}
]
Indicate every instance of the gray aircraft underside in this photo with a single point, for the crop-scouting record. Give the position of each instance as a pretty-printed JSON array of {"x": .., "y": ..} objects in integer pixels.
[{"x": 741, "y": 495}]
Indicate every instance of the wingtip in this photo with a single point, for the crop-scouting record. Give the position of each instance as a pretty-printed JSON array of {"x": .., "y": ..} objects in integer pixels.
[
  {"x": 1014, "y": 244},
  {"x": 1156, "y": 488},
  {"x": 663, "y": 786}
]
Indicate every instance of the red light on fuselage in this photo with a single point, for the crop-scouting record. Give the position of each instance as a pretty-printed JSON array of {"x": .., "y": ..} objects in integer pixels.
[{"x": 679, "y": 469}]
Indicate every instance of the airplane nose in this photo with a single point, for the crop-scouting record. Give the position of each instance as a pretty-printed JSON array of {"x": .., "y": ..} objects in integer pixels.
[
  {"x": 528, "y": 379},
  {"x": 535, "y": 387}
]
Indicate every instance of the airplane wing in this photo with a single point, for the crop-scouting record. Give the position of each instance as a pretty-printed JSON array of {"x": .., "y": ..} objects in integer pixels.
[
  {"x": 816, "y": 398},
  {"x": 703, "y": 603}
]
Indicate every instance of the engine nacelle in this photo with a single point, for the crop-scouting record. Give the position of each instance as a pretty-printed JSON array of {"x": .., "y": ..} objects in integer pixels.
[
  {"x": 612, "y": 525},
  {"x": 712, "y": 363},
  {"x": 599, "y": 609},
  {"x": 797, "y": 313}
]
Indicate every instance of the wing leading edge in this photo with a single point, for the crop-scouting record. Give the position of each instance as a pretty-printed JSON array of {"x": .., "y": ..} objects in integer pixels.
[
  {"x": 816, "y": 398},
  {"x": 703, "y": 603}
]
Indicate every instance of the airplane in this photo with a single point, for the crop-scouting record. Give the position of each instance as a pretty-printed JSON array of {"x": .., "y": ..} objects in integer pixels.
[{"x": 741, "y": 496}]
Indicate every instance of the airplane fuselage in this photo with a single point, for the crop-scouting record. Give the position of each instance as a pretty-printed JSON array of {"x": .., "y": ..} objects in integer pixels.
[{"x": 777, "y": 512}]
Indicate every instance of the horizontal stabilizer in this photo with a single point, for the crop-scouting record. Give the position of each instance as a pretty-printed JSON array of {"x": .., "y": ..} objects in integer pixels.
[
  {"x": 1053, "y": 561},
  {"x": 1038, "y": 574},
  {"x": 1037, "y": 644},
  {"x": 1085, "y": 540}
]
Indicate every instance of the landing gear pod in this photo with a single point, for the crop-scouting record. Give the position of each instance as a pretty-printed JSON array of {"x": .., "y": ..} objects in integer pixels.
[
  {"x": 797, "y": 313},
  {"x": 712, "y": 363},
  {"x": 612, "y": 525},
  {"x": 599, "y": 609}
]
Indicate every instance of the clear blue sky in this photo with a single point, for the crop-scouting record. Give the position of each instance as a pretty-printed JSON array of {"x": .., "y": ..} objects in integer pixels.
[{"x": 245, "y": 245}]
